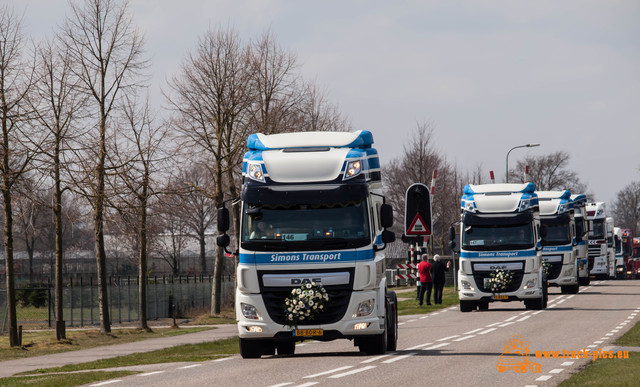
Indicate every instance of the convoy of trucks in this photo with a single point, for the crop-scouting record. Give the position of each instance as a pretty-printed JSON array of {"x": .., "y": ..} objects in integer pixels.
[
  {"x": 313, "y": 226},
  {"x": 312, "y": 214},
  {"x": 500, "y": 247}
]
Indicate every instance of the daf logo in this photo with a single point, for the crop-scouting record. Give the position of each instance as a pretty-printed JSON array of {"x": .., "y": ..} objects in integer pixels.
[
  {"x": 300, "y": 281},
  {"x": 498, "y": 267}
]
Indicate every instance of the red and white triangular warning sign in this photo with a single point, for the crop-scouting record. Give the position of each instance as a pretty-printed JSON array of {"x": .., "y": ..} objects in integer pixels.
[{"x": 418, "y": 227}]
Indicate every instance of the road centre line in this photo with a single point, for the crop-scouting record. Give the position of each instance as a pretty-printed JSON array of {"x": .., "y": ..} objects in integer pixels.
[
  {"x": 417, "y": 346},
  {"x": 524, "y": 318},
  {"x": 396, "y": 358},
  {"x": 473, "y": 331},
  {"x": 511, "y": 318},
  {"x": 464, "y": 338},
  {"x": 447, "y": 338},
  {"x": 506, "y": 324},
  {"x": 282, "y": 384},
  {"x": 487, "y": 331},
  {"x": 571, "y": 296},
  {"x": 327, "y": 372},
  {"x": 538, "y": 312},
  {"x": 435, "y": 346},
  {"x": 525, "y": 312},
  {"x": 307, "y": 384},
  {"x": 423, "y": 317},
  {"x": 352, "y": 372},
  {"x": 494, "y": 324},
  {"x": 378, "y": 358}
]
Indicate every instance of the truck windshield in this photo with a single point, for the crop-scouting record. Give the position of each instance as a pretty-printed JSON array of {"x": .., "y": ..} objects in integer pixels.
[
  {"x": 555, "y": 233},
  {"x": 596, "y": 231},
  {"x": 502, "y": 237},
  {"x": 306, "y": 227}
]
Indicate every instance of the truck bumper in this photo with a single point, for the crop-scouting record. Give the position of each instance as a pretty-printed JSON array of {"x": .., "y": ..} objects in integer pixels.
[
  {"x": 523, "y": 293},
  {"x": 567, "y": 276},
  {"x": 347, "y": 327}
]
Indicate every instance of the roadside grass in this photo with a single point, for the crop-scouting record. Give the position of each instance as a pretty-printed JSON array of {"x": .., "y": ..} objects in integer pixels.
[
  {"x": 39, "y": 343},
  {"x": 611, "y": 372},
  {"x": 410, "y": 306},
  {"x": 55, "y": 380},
  {"x": 182, "y": 353}
]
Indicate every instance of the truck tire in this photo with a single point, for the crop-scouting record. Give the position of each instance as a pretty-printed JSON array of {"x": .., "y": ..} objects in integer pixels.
[
  {"x": 467, "y": 306},
  {"x": 483, "y": 305},
  {"x": 251, "y": 349},
  {"x": 582, "y": 281},
  {"x": 392, "y": 318},
  {"x": 570, "y": 289},
  {"x": 375, "y": 344},
  {"x": 535, "y": 304},
  {"x": 286, "y": 347}
]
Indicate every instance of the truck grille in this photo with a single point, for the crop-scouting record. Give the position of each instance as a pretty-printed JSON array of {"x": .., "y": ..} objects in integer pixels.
[
  {"x": 335, "y": 309},
  {"x": 339, "y": 298},
  {"x": 479, "y": 277},
  {"x": 554, "y": 270}
]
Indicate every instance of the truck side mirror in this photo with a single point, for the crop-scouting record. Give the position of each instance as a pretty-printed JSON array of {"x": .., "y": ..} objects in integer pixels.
[
  {"x": 223, "y": 220},
  {"x": 388, "y": 236},
  {"x": 223, "y": 240},
  {"x": 452, "y": 233},
  {"x": 386, "y": 216}
]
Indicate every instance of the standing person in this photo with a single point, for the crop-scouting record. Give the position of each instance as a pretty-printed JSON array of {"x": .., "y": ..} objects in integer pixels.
[
  {"x": 424, "y": 268},
  {"x": 437, "y": 274}
]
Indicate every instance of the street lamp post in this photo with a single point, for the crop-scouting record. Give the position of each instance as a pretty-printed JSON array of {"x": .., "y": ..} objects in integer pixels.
[{"x": 515, "y": 147}]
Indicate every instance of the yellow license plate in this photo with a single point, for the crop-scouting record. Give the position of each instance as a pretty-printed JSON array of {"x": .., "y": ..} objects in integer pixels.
[
  {"x": 308, "y": 332},
  {"x": 500, "y": 297}
]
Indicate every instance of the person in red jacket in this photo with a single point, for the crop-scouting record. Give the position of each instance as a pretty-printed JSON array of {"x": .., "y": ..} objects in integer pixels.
[{"x": 424, "y": 269}]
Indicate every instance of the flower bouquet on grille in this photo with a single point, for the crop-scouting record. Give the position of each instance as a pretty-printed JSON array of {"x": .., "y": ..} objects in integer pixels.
[
  {"x": 546, "y": 269},
  {"x": 305, "y": 303},
  {"x": 499, "y": 280}
]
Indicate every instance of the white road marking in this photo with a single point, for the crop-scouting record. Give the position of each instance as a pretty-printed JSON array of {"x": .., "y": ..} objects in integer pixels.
[
  {"x": 223, "y": 359},
  {"x": 473, "y": 331},
  {"x": 487, "y": 331},
  {"x": 556, "y": 371},
  {"x": 447, "y": 338},
  {"x": 494, "y": 324},
  {"x": 511, "y": 318},
  {"x": 544, "y": 378},
  {"x": 598, "y": 342},
  {"x": 352, "y": 372},
  {"x": 567, "y": 363},
  {"x": 107, "y": 382},
  {"x": 399, "y": 357},
  {"x": 435, "y": 346},
  {"x": 591, "y": 346},
  {"x": 524, "y": 318},
  {"x": 506, "y": 324},
  {"x": 281, "y": 384},
  {"x": 307, "y": 384},
  {"x": 538, "y": 312},
  {"x": 327, "y": 372},
  {"x": 189, "y": 366},
  {"x": 464, "y": 338},
  {"x": 151, "y": 373},
  {"x": 418, "y": 346},
  {"x": 378, "y": 358},
  {"x": 571, "y": 296}
]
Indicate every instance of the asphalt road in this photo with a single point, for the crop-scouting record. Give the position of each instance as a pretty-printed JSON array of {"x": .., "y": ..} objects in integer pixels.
[{"x": 442, "y": 348}]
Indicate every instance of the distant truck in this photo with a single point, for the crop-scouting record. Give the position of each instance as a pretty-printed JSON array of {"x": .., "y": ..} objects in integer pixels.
[
  {"x": 582, "y": 237},
  {"x": 598, "y": 240},
  {"x": 313, "y": 219},
  {"x": 559, "y": 239},
  {"x": 500, "y": 247},
  {"x": 633, "y": 265}
]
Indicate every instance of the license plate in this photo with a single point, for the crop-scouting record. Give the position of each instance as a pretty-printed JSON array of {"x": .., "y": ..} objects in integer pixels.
[
  {"x": 500, "y": 297},
  {"x": 308, "y": 332}
]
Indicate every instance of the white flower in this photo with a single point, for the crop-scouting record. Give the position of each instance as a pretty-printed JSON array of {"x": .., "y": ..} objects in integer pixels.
[{"x": 308, "y": 286}]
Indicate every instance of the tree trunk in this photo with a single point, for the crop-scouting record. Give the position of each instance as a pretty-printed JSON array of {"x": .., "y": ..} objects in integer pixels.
[
  {"x": 8, "y": 255},
  {"x": 203, "y": 256},
  {"x": 142, "y": 268},
  {"x": 98, "y": 219},
  {"x": 57, "y": 210}
]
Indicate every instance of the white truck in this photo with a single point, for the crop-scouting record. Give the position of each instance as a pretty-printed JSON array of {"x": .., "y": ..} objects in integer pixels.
[
  {"x": 312, "y": 214},
  {"x": 559, "y": 239},
  {"x": 500, "y": 247},
  {"x": 582, "y": 237},
  {"x": 611, "y": 248},
  {"x": 598, "y": 236}
]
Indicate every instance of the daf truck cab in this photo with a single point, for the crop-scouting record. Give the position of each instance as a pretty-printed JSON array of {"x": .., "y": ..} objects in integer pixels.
[
  {"x": 500, "y": 247},
  {"x": 582, "y": 237},
  {"x": 598, "y": 235},
  {"x": 313, "y": 217},
  {"x": 558, "y": 239}
]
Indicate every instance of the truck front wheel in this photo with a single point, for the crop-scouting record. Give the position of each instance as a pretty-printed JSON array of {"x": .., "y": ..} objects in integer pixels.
[
  {"x": 376, "y": 344},
  {"x": 286, "y": 347},
  {"x": 252, "y": 349},
  {"x": 467, "y": 306},
  {"x": 392, "y": 318}
]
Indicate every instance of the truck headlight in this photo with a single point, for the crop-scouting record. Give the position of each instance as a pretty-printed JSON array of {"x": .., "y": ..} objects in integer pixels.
[
  {"x": 364, "y": 308},
  {"x": 531, "y": 283},
  {"x": 466, "y": 285},
  {"x": 254, "y": 171},
  {"x": 353, "y": 169},
  {"x": 250, "y": 312}
]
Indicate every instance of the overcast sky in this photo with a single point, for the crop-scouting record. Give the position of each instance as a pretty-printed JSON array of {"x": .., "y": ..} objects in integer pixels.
[{"x": 488, "y": 75}]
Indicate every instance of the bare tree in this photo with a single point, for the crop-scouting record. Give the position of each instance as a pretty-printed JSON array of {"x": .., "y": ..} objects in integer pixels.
[
  {"x": 58, "y": 106},
  {"x": 16, "y": 80},
  {"x": 549, "y": 173},
  {"x": 626, "y": 207},
  {"x": 107, "y": 52},
  {"x": 210, "y": 98},
  {"x": 171, "y": 215},
  {"x": 139, "y": 159}
]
